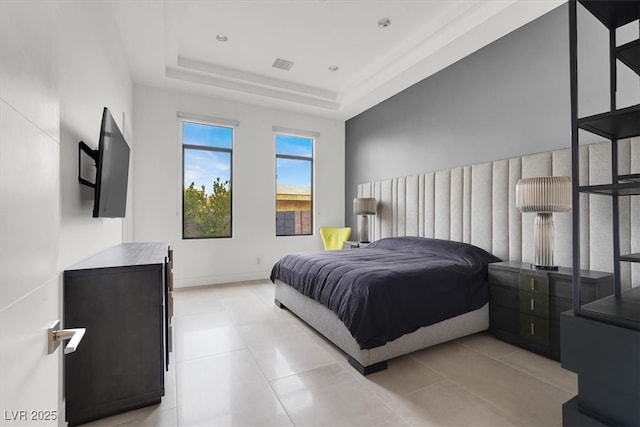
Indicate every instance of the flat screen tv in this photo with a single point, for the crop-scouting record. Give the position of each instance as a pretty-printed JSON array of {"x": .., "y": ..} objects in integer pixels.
[{"x": 112, "y": 170}]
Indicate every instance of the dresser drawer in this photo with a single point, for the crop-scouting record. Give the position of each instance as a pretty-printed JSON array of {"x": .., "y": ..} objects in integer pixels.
[
  {"x": 535, "y": 304},
  {"x": 534, "y": 329},
  {"x": 533, "y": 282}
]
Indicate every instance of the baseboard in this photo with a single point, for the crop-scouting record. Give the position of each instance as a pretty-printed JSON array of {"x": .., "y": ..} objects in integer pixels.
[{"x": 195, "y": 281}]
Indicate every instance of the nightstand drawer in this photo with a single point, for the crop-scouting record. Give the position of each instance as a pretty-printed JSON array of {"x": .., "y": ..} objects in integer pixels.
[
  {"x": 534, "y": 283},
  {"x": 535, "y": 304},
  {"x": 503, "y": 296},
  {"x": 504, "y": 319},
  {"x": 534, "y": 329}
]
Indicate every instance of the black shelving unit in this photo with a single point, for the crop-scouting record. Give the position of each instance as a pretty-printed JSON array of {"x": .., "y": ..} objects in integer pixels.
[
  {"x": 614, "y": 125},
  {"x": 628, "y": 54},
  {"x": 600, "y": 340}
]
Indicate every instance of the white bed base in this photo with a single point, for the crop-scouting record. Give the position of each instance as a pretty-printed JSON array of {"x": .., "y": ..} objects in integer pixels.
[{"x": 328, "y": 324}]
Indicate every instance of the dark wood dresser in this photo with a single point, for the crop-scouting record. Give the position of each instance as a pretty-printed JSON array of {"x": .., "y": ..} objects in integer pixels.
[
  {"x": 525, "y": 303},
  {"x": 122, "y": 296}
]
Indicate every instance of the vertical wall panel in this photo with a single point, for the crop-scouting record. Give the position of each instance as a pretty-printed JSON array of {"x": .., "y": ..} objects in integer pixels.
[
  {"x": 402, "y": 207},
  {"x": 500, "y": 209},
  {"x": 515, "y": 217},
  {"x": 421, "y": 196},
  {"x": 412, "y": 203},
  {"x": 457, "y": 193},
  {"x": 466, "y": 206},
  {"x": 386, "y": 209},
  {"x": 355, "y": 233},
  {"x": 481, "y": 223},
  {"x": 600, "y": 241},
  {"x": 442, "y": 204},
  {"x": 585, "y": 254},
  {"x": 364, "y": 190},
  {"x": 429, "y": 204},
  {"x": 377, "y": 230},
  {"x": 394, "y": 206},
  {"x": 537, "y": 165},
  {"x": 563, "y": 243}
]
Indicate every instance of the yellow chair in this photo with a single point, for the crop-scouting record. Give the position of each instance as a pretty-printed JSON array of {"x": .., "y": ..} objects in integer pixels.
[{"x": 334, "y": 237}]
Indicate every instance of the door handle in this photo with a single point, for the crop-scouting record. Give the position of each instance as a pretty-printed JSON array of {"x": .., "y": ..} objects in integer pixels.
[{"x": 55, "y": 335}]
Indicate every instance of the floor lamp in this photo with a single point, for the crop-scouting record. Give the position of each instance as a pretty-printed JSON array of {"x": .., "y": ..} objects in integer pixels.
[
  {"x": 544, "y": 195},
  {"x": 364, "y": 206}
]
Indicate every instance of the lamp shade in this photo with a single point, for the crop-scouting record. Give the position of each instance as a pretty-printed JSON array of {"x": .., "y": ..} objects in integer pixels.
[
  {"x": 364, "y": 206},
  {"x": 544, "y": 194}
]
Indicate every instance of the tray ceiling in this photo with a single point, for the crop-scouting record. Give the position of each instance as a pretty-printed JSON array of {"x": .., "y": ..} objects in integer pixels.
[{"x": 173, "y": 44}]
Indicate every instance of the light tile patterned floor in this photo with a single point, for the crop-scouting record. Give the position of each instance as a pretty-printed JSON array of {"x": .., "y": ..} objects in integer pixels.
[{"x": 239, "y": 360}]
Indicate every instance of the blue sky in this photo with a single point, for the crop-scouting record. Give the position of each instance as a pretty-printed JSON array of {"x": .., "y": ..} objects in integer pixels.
[
  {"x": 294, "y": 172},
  {"x": 203, "y": 167},
  {"x": 294, "y": 145},
  {"x": 212, "y": 136}
]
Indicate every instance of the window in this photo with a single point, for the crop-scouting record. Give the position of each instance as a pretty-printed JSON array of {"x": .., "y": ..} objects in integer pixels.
[
  {"x": 206, "y": 172},
  {"x": 294, "y": 185}
]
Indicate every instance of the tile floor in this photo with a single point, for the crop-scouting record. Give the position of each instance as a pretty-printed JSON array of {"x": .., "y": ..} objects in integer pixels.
[{"x": 239, "y": 360}]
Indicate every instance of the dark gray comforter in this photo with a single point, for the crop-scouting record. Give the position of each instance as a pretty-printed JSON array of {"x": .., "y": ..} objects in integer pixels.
[{"x": 392, "y": 287}]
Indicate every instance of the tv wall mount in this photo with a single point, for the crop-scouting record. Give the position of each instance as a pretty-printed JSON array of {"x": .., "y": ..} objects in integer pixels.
[{"x": 91, "y": 153}]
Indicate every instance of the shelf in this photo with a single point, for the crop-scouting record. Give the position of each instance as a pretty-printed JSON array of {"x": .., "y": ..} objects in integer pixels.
[
  {"x": 624, "y": 189},
  {"x": 613, "y": 14},
  {"x": 631, "y": 258},
  {"x": 624, "y": 310},
  {"x": 629, "y": 178},
  {"x": 618, "y": 124},
  {"x": 629, "y": 54}
]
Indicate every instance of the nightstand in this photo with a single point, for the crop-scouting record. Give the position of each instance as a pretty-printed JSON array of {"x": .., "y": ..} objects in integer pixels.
[
  {"x": 525, "y": 303},
  {"x": 351, "y": 244}
]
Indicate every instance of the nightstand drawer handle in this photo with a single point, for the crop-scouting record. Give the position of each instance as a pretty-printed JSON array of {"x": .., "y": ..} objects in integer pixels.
[
  {"x": 532, "y": 305},
  {"x": 533, "y": 284},
  {"x": 533, "y": 329}
]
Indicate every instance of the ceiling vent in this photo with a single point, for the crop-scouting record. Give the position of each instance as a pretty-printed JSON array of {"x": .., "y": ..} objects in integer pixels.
[{"x": 282, "y": 64}]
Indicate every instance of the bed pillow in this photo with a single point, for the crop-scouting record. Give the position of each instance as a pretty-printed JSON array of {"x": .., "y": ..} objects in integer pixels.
[{"x": 448, "y": 248}]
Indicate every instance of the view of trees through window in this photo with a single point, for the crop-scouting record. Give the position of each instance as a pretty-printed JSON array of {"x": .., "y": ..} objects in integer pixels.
[
  {"x": 294, "y": 189},
  {"x": 206, "y": 200}
]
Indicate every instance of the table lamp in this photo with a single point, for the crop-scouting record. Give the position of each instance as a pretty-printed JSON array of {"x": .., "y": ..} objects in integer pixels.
[
  {"x": 544, "y": 195},
  {"x": 364, "y": 206}
]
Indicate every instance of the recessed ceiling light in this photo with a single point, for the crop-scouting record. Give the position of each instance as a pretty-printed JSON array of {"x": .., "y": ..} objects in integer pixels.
[
  {"x": 222, "y": 38},
  {"x": 333, "y": 68},
  {"x": 384, "y": 22}
]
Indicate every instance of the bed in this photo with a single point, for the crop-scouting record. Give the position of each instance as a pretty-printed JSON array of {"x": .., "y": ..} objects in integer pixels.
[{"x": 395, "y": 296}]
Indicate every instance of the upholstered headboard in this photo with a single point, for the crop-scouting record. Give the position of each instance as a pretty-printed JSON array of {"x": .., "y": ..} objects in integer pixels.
[{"x": 476, "y": 204}]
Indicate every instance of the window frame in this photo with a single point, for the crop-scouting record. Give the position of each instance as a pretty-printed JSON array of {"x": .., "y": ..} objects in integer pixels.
[
  {"x": 303, "y": 135},
  {"x": 181, "y": 120}
]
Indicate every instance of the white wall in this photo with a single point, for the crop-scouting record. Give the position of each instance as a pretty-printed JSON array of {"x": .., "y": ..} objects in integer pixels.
[
  {"x": 93, "y": 74},
  {"x": 158, "y": 174},
  {"x": 60, "y": 63}
]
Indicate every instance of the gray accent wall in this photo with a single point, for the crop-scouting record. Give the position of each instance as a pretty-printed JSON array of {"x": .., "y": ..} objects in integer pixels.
[{"x": 509, "y": 99}]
